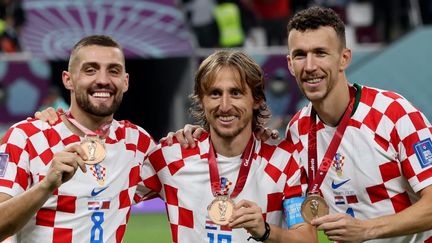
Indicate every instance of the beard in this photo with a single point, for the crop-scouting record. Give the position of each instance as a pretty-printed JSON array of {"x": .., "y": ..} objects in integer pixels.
[
  {"x": 101, "y": 109},
  {"x": 231, "y": 133}
]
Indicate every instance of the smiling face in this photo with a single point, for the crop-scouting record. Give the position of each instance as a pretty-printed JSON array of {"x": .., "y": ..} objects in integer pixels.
[
  {"x": 97, "y": 80},
  {"x": 318, "y": 60},
  {"x": 228, "y": 107}
]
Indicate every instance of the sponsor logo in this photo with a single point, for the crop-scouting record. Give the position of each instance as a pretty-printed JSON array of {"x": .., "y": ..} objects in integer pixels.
[
  {"x": 96, "y": 192},
  {"x": 337, "y": 185}
]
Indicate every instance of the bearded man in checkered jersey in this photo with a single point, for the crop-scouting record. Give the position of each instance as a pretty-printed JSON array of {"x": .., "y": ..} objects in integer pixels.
[{"x": 47, "y": 191}]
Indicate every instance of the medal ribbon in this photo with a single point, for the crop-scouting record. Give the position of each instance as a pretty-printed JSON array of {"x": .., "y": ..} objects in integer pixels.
[
  {"x": 318, "y": 176},
  {"x": 243, "y": 172},
  {"x": 101, "y": 132}
]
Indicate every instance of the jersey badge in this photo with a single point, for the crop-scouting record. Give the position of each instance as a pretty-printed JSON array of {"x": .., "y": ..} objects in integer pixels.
[
  {"x": 225, "y": 185},
  {"x": 99, "y": 172},
  {"x": 338, "y": 163},
  {"x": 423, "y": 150},
  {"x": 339, "y": 200},
  {"x": 4, "y": 158},
  {"x": 94, "y": 204}
]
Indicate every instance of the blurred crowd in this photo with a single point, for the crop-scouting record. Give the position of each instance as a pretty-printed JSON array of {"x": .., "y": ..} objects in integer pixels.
[
  {"x": 12, "y": 19},
  {"x": 235, "y": 23}
]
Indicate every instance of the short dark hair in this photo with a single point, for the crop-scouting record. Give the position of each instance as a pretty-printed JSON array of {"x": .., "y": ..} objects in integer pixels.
[
  {"x": 96, "y": 40},
  {"x": 250, "y": 75},
  {"x": 315, "y": 17}
]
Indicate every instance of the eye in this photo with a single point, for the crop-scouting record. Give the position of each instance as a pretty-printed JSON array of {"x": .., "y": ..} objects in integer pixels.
[
  {"x": 90, "y": 70},
  {"x": 215, "y": 93},
  {"x": 236, "y": 93},
  {"x": 299, "y": 55},
  {"x": 320, "y": 53},
  {"x": 115, "y": 71}
]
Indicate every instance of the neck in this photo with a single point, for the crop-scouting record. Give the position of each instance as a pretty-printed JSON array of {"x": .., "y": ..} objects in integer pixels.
[
  {"x": 331, "y": 109},
  {"x": 89, "y": 121},
  {"x": 230, "y": 147}
]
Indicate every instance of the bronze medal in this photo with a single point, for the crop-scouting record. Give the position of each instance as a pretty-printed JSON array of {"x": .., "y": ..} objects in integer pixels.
[
  {"x": 220, "y": 210},
  {"x": 94, "y": 148},
  {"x": 314, "y": 206}
]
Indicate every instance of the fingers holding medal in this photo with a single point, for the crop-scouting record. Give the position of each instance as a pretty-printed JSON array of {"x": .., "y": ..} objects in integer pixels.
[
  {"x": 220, "y": 210},
  {"x": 314, "y": 206},
  {"x": 94, "y": 149}
]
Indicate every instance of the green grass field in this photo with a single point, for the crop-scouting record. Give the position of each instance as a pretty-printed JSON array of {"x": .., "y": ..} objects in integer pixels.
[{"x": 144, "y": 228}]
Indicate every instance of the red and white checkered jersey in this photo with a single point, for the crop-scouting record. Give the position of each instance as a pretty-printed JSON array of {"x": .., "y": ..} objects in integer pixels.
[
  {"x": 183, "y": 180},
  {"x": 90, "y": 207},
  {"x": 381, "y": 164}
]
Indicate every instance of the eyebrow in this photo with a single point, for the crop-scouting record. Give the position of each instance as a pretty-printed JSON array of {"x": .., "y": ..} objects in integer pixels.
[{"x": 96, "y": 64}]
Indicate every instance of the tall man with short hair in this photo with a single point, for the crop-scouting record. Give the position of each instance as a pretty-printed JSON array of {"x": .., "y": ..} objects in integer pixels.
[{"x": 363, "y": 150}]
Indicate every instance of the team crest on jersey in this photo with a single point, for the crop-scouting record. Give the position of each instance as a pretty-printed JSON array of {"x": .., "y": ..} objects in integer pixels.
[
  {"x": 225, "y": 185},
  {"x": 4, "y": 158},
  {"x": 338, "y": 163},
  {"x": 99, "y": 172},
  {"x": 423, "y": 150}
]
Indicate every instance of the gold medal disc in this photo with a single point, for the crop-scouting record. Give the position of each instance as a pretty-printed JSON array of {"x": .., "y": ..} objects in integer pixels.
[
  {"x": 94, "y": 149},
  {"x": 314, "y": 206},
  {"x": 220, "y": 210}
]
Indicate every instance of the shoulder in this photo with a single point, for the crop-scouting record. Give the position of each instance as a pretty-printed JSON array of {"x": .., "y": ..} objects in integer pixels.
[
  {"x": 299, "y": 124},
  {"x": 133, "y": 135},
  {"x": 29, "y": 127},
  {"x": 383, "y": 103},
  {"x": 176, "y": 152},
  {"x": 280, "y": 152}
]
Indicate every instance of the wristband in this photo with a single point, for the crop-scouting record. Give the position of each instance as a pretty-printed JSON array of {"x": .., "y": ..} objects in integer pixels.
[{"x": 265, "y": 235}]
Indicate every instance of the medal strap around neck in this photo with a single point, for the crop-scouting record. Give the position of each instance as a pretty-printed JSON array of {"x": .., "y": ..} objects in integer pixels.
[
  {"x": 101, "y": 132},
  {"x": 243, "y": 172},
  {"x": 317, "y": 177}
]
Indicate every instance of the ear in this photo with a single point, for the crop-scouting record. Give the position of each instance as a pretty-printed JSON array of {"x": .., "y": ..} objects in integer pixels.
[
  {"x": 345, "y": 59},
  {"x": 257, "y": 104},
  {"x": 126, "y": 82},
  {"x": 67, "y": 80},
  {"x": 290, "y": 67}
]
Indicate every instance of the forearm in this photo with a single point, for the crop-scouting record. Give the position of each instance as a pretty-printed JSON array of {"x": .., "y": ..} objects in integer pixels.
[
  {"x": 15, "y": 212},
  {"x": 414, "y": 219},
  {"x": 302, "y": 233}
]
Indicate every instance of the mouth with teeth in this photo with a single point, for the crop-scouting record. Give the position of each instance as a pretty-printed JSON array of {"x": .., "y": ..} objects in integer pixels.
[
  {"x": 313, "y": 81},
  {"x": 101, "y": 94},
  {"x": 225, "y": 119}
]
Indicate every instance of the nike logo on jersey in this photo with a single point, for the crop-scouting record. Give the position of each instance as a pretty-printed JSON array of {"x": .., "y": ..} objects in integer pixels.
[
  {"x": 95, "y": 192},
  {"x": 337, "y": 185}
]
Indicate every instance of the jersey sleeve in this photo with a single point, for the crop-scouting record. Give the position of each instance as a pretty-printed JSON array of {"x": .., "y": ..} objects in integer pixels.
[
  {"x": 14, "y": 171},
  {"x": 145, "y": 146},
  {"x": 412, "y": 136}
]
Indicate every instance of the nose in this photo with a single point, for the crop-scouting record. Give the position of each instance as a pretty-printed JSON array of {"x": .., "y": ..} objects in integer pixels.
[
  {"x": 103, "y": 77},
  {"x": 310, "y": 63},
  {"x": 225, "y": 103}
]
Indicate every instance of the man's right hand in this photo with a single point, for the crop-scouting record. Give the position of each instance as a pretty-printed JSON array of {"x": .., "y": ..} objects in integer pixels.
[
  {"x": 48, "y": 115},
  {"x": 64, "y": 166},
  {"x": 185, "y": 136}
]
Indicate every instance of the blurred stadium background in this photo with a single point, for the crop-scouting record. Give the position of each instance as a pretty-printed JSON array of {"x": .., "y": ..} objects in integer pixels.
[{"x": 164, "y": 41}]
